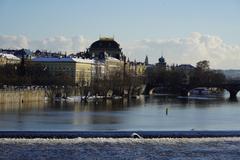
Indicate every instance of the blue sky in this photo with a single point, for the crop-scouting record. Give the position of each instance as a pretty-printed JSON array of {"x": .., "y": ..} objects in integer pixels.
[
  {"x": 155, "y": 24},
  {"x": 125, "y": 19}
]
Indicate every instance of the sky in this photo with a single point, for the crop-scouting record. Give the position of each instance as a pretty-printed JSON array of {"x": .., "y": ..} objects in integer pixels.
[{"x": 183, "y": 31}]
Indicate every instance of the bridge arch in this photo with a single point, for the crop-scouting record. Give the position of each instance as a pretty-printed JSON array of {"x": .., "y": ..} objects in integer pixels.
[
  {"x": 157, "y": 89},
  {"x": 232, "y": 88},
  {"x": 233, "y": 91},
  {"x": 151, "y": 91}
]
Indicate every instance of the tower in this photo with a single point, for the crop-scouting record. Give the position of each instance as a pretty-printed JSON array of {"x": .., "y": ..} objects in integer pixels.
[
  {"x": 161, "y": 63},
  {"x": 146, "y": 60}
]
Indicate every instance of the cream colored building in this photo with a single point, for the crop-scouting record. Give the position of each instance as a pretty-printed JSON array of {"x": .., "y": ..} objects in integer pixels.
[
  {"x": 79, "y": 70},
  {"x": 135, "y": 68},
  {"x": 82, "y": 71},
  {"x": 8, "y": 59},
  {"x": 102, "y": 59}
]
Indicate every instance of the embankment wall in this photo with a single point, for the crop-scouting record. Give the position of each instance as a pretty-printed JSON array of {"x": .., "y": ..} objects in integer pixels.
[{"x": 21, "y": 95}]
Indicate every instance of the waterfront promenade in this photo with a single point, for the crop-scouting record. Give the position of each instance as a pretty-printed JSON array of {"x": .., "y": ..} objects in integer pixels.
[{"x": 121, "y": 148}]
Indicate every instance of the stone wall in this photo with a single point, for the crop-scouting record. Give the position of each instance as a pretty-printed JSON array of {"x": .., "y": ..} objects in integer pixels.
[{"x": 21, "y": 95}]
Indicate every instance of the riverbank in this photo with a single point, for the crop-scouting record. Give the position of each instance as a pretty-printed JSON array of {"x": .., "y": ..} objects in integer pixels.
[
  {"x": 21, "y": 95},
  {"x": 121, "y": 148}
]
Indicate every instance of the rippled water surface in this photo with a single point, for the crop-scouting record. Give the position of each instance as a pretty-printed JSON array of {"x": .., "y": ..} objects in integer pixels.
[{"x": 149, "y": 113}]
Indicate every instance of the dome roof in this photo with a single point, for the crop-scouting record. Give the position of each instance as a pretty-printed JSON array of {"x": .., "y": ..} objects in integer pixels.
[
  {"x": 106, "y": 44},
  {"x": 161, "y": 60}
]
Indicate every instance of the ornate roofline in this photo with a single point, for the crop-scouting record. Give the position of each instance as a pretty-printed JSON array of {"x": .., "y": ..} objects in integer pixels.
[{"x": 106, "y": 38}]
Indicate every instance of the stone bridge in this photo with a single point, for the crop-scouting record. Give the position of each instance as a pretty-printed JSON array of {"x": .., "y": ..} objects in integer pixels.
[{"x": 232, "y": 87}]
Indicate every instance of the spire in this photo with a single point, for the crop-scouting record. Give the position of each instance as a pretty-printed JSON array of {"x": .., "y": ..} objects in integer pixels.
[{"x": 146, "y": 60}]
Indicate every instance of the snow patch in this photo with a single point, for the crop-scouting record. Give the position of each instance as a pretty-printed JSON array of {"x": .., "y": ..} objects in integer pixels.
[
  {"x": 67, "y": 59},
  {"x": 9, "y": 56}
]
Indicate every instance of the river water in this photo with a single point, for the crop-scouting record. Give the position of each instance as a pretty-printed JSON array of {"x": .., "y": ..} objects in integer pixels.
[{"x": 146, "y": 113}]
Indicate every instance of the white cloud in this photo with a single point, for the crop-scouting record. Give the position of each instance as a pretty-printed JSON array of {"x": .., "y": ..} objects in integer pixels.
[
  {"x": 58, "y": 43},
  {"x": 14, "y": 42},
  {"x": 61, "y": 43},
  {"x": 186, "y": 50}
]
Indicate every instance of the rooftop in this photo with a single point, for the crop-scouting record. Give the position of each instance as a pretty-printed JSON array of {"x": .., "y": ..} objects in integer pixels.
[
  {"x": 9, "y": 56},
  {"x": 65, "y": 59}
]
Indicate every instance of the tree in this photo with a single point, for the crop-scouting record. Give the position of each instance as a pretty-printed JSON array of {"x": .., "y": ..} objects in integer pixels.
[
  {"x": 203, "y": 65},
  {"x": 204, "y": 75},
  {"x": 167, "y": 80}
]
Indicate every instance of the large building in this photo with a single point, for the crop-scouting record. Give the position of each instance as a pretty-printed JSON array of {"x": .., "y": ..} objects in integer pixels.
[
  {"x": 102, "y": 59},
  {"x": 161, "y": 63},
  {"x": 105, "y": 47},
  {"x": 6, "y": 58},
  {"x": 79, "y": 70},
  {"x": 108, "y": 50}
]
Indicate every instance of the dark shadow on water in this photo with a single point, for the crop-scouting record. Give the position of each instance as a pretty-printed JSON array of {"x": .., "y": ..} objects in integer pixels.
[
  {"x": 96, "y": 106},
  {"x": 233, "y": 100}
]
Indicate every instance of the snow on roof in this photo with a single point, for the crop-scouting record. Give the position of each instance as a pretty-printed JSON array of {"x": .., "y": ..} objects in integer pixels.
[
  {"x": 113, "y": 59},
  {"x": 67, "y": 59},
  {"x": 186, "y": 66},
  {"x": 9, "y": 56},
  {"x": 81, "y": 60}
]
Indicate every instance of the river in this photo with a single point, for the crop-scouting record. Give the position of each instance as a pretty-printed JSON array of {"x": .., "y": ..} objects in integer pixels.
[{"x": 146, "y": 114}]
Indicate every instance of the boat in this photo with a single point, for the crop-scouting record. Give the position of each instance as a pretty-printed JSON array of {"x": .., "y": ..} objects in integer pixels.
[{"x": 203, "y": 92}]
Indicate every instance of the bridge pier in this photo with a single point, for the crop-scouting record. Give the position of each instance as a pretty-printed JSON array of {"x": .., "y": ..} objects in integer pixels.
[
  {"x": 233, "y": 92},
  {"x": 233, "y": 95},
  {"x": 184, "y": 92}
]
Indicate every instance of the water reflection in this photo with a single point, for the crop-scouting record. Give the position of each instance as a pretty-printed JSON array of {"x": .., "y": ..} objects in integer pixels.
[
  {"x": 101, "y": 105},
  {"x": 146, "y": 113},
  {"x": 22, "y": 107}
]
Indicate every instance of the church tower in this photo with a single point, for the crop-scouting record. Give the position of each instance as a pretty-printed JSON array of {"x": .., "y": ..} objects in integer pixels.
[
  {"x": 146, "y": 61},
  {"x": 162, "y": 63}
]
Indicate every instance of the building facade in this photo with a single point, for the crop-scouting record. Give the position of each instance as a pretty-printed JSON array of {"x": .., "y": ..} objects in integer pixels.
[
  {"x": 102, "y": 59},
  {"x": 161, "y": 63},
  {"x": 8, "y": 59},
  {"x": 99, "y": 48},
  {"x": 77, "y": 69}
]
